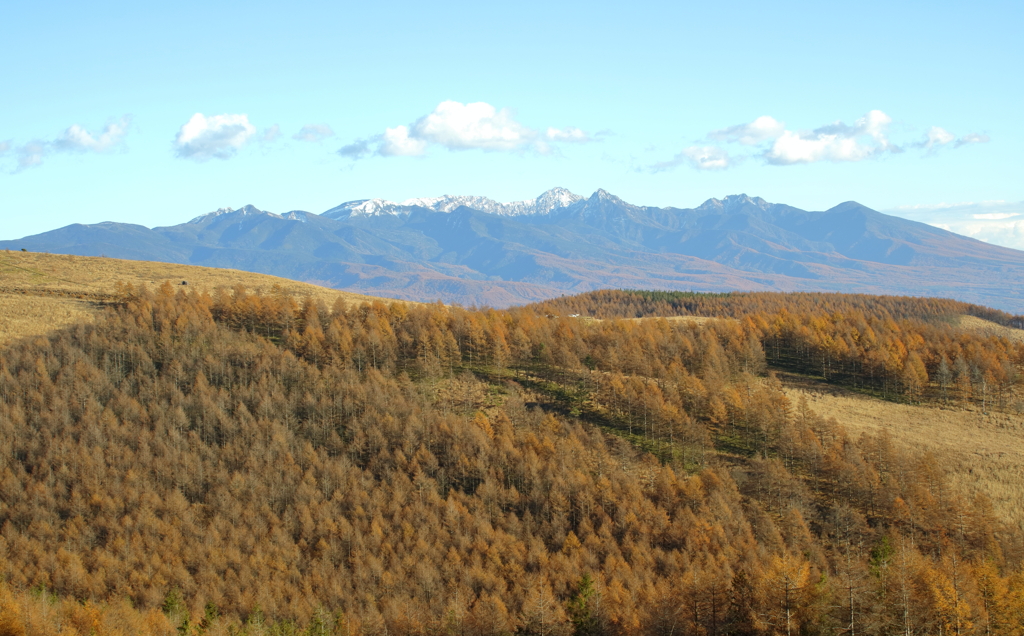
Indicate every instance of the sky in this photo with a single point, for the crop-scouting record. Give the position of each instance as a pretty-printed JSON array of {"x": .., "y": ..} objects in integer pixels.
[{"x": 117, "y": 111}]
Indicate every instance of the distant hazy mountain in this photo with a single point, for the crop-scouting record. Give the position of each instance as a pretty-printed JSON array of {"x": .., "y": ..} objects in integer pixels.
[{"x": 476, "y": 250}]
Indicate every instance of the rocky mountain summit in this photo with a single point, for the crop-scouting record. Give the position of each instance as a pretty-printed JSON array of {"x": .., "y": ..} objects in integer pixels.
[{"x": 553, "y": 199}]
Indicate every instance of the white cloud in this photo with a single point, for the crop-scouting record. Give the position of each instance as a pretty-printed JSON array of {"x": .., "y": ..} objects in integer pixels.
[
  {"x": 570, "y": 134},
  {"x": 874, "y": 124},
  {"x": 972, "y": 138},
  {"x": 707, "y": 157},
  {"x": 75, "y": 138},
  {"x": 271, "y": 134},
  {"x": 924, "y": 208},
  {"x": 357, "y": 149},
  {"x": 995, "y": 216},
  {"x": 78, "y": 139},
  {"x": 31, "y": 154},
  {"x": 699, "y": 158},
  {"x": 313, "y": 132},
  {"x": 479, "y": 125},
  {"x": 457, "y": 126},
  {"x": 866, "y": 138},
  {"x": 834, "y": 142},
  {"x": 996, "y": 222},
  {"x": 751, "y": 134},
  {"x": 219, "y": 136},
  {"x": 937, "y": 137},
  {"x": 793, "y": 147},
  {"x": 1008, "y": 233},
  {"x": 396, "y": 142}
]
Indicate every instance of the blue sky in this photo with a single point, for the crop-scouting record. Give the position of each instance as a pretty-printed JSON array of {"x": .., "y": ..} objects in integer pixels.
[{"x": 125, "y": 112}]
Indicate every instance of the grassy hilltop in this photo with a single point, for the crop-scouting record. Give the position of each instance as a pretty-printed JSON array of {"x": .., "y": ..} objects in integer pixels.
[{"x": 42, "y": 292}]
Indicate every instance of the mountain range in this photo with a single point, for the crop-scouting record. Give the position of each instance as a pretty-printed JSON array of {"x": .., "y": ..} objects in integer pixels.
[{"x": 474, "y": 250}]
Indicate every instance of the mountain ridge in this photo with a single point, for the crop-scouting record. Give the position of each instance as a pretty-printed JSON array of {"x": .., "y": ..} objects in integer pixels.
[
  {"x": 559, "y": 242},
  {"x": 547, "y": 201}
]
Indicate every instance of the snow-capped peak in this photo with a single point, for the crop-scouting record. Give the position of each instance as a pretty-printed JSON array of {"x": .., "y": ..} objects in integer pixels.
[
  {"x": 296, "y": 215},
  {"x": 362, "y": 207},
  {"x": 545, "y": 203},
  {"x": 732, "y": 201},
  {"x": 208, "y": 215},
  {"x": 245, "y": 210},
  {"x": 555, "y": 198}
]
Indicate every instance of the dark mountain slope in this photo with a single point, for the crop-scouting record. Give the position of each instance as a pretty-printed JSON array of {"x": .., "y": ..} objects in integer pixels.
[{"x": 122, "y": 240}]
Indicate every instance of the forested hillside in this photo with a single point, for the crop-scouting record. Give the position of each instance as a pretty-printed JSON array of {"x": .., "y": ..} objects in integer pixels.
[
  {"x": 899, "y": 346},
  {"x": 257, "y": 464},
  {"x": 631, "y": 303}
]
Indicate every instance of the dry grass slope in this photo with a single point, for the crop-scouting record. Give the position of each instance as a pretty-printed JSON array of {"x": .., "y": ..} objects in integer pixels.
[
  {"x": 984, "y": 327},
  {"x": 27, "y": 315},
  {"x": 43, "y": 292},
  {"x": 982, "y": 453}
]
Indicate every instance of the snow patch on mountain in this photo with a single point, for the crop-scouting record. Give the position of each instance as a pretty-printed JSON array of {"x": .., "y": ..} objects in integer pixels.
[
  {"x": 246, "y": 210},
  {"x": 732, "y": 202},
  {"x": 551, "y": 200}
]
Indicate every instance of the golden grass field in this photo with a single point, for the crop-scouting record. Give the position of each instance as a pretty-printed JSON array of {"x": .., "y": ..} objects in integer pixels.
[
  {"x": 43, "y": 292},
  {"x": 979, "y": 325},
  {"x": 26, "y": 315},
  {"x": 982, "y": 453}
]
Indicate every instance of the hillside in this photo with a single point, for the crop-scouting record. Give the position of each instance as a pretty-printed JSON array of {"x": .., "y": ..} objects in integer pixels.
[
  {"x": 43, "y": 292},
  {"x": 262, "y": 463},
  {"x": 506, "y": 254},
  {"x": 980, "y": 452}
]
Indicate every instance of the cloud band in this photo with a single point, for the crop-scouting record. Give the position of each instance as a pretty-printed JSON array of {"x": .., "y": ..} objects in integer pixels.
[{"x": 457, "y": 126}]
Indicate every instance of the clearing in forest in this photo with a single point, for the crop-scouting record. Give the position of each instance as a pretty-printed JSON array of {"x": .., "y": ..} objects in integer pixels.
[{"x": 981, "y": 452}]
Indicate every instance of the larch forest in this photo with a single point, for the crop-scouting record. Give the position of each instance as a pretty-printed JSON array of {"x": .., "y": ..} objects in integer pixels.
[{"x": 242, "y": 463}]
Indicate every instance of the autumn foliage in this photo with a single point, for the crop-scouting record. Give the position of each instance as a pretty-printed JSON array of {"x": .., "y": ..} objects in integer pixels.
[
  {"x": 263, "y": 464},
  {"x": 901, "y": 347}
]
